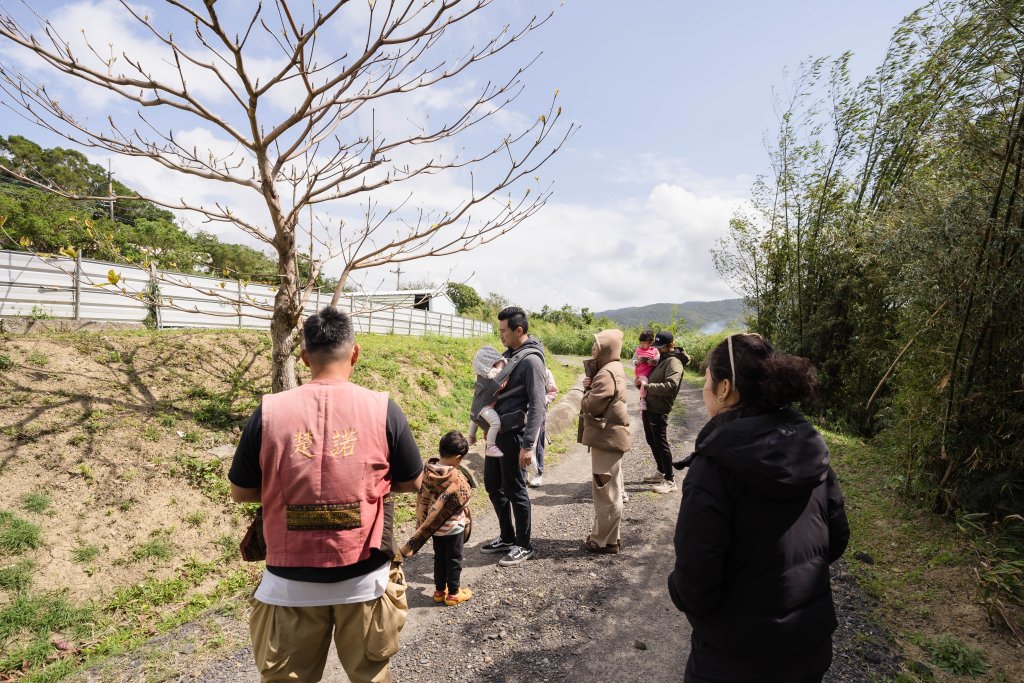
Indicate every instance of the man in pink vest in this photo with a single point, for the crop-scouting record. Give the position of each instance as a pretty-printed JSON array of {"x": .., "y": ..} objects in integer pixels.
[{"x": 323, "y": 459}]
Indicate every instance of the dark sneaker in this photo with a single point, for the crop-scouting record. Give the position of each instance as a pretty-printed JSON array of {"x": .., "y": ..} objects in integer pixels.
[
  {"x": 516, "y": 555},
  {"x": 496, "y": 546}
]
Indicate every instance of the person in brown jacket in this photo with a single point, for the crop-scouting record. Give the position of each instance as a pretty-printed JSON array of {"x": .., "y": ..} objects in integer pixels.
[{"x": 604, "y": 427}]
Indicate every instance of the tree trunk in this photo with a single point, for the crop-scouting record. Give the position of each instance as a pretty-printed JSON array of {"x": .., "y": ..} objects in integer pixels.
[
  {"x": 288, "y": 301},
  {"x": 283, "y": 372}
]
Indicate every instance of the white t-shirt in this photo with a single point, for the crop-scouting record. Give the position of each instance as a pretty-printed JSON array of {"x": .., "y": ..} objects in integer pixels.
[{"x": 274, "y": 590}]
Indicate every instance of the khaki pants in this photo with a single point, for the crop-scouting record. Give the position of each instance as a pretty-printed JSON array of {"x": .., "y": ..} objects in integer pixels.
[
  {"x": 292, "y": 643},
  {"x": 606, "y": 485}
]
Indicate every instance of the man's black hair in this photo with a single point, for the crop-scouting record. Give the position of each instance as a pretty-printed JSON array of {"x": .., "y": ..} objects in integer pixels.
[
  {"x": 453, "y": 443},
  {"x": 329, "y": 331},
  {"x": 515, "y": 318}
]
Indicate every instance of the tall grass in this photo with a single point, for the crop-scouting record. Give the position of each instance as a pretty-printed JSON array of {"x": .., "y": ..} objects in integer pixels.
[{"x": 571, "y": 340}]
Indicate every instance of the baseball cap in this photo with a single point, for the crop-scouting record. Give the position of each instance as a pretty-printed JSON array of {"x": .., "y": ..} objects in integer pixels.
[{"x": 663, "y": 338}]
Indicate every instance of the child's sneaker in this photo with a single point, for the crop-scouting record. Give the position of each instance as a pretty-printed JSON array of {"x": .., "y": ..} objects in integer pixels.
[
  {"x": 439, "y": 596},
  {"x": 643, "y": 404},
  {"x": 454, "y": 599},
  {"x": 493, "y": 452}
]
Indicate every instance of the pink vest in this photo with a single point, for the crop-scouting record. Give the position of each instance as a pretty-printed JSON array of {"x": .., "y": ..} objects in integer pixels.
[{"x": 325, "y": 466}]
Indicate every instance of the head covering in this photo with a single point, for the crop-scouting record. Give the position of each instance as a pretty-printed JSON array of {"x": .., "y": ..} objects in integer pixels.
[
  {"x": 663, "y": 338},
  {"x": 609, "y": 346},
  {"x": 485, "y": 359}
]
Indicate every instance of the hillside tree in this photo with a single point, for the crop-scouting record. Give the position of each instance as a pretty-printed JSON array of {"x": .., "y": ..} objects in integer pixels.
[{"x": 311, "y": 162}]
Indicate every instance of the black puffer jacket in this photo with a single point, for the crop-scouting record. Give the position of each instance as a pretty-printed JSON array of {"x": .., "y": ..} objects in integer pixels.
[{"x": 761, "y": 519}]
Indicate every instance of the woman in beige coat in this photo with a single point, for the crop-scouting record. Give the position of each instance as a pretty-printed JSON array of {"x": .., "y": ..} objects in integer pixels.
[{"x": 604, "y": 427}]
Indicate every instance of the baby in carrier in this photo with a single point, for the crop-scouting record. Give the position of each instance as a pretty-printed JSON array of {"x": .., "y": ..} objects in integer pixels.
[{"x": 487, "y": 363}]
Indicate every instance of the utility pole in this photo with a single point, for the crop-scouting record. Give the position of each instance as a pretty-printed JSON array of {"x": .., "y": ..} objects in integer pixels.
[
  {"x": 110, "y": 189},
  {"x": 398, "y": 276}
]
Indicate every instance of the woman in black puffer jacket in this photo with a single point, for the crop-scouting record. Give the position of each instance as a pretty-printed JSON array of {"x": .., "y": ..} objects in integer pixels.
[{"x": 761, "y": 519}]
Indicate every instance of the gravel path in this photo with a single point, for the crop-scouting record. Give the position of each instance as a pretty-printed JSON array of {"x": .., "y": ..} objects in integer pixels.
[{"x": 571, "y": 616}]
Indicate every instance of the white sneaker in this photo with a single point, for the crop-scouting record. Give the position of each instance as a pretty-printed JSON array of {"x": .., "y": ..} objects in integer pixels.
[
  {"x": 654, "y": 478},
  {"x": 536, "y": 481},
  {"x": 665, "y": 487},
  {"x": 492, "y": 452}
]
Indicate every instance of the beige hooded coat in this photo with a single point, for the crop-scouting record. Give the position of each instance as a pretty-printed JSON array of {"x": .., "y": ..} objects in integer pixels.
[{"x": 604, "y": 420}]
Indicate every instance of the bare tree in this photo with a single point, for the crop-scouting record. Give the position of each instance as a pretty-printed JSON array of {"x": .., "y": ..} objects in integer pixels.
[{"x": 311, "y": 161}]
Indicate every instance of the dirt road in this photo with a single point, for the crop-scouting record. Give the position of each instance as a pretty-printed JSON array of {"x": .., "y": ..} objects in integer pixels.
[{"x": 571, "y": 616}]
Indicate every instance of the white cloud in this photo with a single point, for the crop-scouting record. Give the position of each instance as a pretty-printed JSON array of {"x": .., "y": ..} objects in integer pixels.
[{"x": 628, "y": 253}]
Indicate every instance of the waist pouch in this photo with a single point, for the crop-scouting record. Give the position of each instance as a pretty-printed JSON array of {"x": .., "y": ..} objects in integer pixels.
[{"x": 513, "y": 422}]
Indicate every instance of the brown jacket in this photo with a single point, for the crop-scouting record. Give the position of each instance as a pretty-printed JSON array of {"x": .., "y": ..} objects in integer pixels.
[
  {"x": 603, "y": 418},
  {"x": 444, "y": 496}
]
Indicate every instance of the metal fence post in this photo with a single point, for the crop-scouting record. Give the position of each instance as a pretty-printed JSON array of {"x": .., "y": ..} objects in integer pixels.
[
  {"x": 238, "y": 287},
  {"x": 78, "y": 286}
]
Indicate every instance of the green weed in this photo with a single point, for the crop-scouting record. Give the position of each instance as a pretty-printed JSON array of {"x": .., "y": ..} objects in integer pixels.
[
  {"x": 31, "y": 620},
  {"x": 94, "y": 421},
  {"x": 83, "y": 554},
  {"x": 206, "y": 474},
  {"x": 195, "y": 519},
  {"x": 158, "y": 547},
  {"x": 36, "y": 501},
  {"x": 148, "y": 594},
  {"x": 951, "y": 654},
  {"x": 228, "y": 546},
  {"x": 38, "y": 358},
  {"x": 39, "y": 313},
  {"x": 17, "y": 535},
  {"x": 193, "y": 436},
  {"x": 167, "y": 420},
  {"x": 5, "y": 362},
  {"x": 215, "y": 410},
  {"x": 16, "y": 577},
  {"x": 151, "y": 433}
]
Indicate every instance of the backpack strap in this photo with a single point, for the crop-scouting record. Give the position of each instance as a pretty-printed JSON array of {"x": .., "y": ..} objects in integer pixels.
[{"x": 512, "y": 365}]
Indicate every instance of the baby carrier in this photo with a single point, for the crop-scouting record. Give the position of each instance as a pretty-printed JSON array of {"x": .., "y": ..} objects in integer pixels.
[{"x": 486, "y": 389}]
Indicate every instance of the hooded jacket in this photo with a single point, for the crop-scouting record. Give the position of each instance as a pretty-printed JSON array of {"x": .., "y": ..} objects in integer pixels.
[
  {"x": 443, "y": 497},
  {"x": 761, "y": 519},
  {"x": 603, "y": 416},
  {"x": 521, "y": 403},
  {"x": 663, "y": 382}
]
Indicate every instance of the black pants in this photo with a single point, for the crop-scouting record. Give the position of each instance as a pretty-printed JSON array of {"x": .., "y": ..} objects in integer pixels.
[
  {"x": 656, "y": 433},
  {"x": 505, "y": 483},
  {"x": 706, "y": 665},
  {"x": 447, "y": 562}
]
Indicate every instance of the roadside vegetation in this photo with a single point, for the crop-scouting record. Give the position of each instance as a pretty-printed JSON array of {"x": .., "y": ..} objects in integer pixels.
[{"x": 115, "y": 525}]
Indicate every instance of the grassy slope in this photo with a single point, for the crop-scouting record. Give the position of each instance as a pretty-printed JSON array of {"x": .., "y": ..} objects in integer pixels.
[{"x": 114, "y": 522}]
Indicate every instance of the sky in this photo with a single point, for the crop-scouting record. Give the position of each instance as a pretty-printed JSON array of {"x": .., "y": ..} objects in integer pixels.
[{"x": 673, "y": 99}]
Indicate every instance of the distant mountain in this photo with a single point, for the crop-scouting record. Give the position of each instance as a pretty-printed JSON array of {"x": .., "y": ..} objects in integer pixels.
[{"x": 706, "y": 316}]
